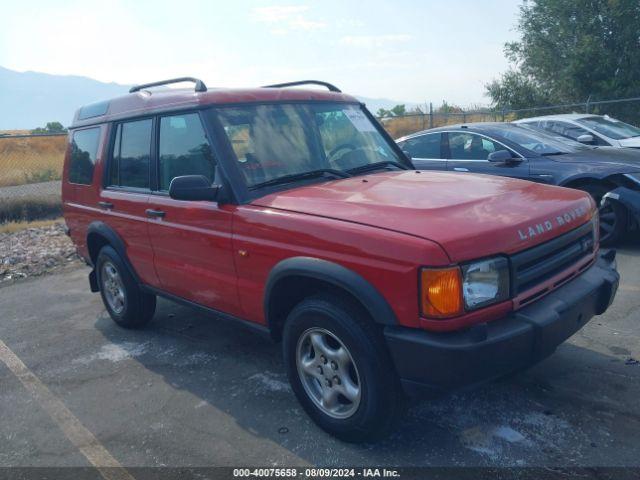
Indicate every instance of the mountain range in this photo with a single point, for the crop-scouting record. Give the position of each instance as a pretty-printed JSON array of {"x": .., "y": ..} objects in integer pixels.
[{"x": 31, "y": 99}]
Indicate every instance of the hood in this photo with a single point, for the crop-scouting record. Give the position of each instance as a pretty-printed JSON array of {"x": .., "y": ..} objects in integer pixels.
[
  {"x": 469, "y": 215},
  {"x": 609, "y": 159},
  {"x": 633, "y": 142}
]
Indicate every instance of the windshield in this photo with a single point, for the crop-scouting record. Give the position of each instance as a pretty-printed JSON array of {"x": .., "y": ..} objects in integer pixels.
[
  {"x": 539, "y": 142},
  {"x": 610, "y": 127},
  {"x": 273, "y": 141}
]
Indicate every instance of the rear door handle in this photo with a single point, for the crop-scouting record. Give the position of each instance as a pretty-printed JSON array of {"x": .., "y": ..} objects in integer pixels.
[
  {"x": 154, "y": 213},
  {"x": 107, "y": 205}
]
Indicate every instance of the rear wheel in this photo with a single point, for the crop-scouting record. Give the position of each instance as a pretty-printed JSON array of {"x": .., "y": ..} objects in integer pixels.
[
  {"x": 340, "y": 370},
  {"x": 613, "y": 216},
  {"x": 126, "y": 303}
]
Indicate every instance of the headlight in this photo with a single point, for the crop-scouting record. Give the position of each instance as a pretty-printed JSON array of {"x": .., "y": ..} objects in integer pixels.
[
  {"x": 485, "y": 282},
  {"x": 449, "y": 292}
]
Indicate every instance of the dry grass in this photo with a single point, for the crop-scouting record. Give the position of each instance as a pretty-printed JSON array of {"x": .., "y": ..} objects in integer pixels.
[
  {"x": 31, "y": 159},
  {"x": 13, "y": 227},
  {"x": 400, "y": 126},
  {"x": 30, "y": 207}
]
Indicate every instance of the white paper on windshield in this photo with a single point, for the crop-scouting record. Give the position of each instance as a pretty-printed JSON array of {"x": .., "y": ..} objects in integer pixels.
[{"x": 359, "y": 120}]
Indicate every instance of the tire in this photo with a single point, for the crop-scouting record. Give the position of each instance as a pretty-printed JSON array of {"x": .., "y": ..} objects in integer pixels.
[
  {"x": 331, "y": 322},
  {"x": 126, "y": 303},
  {"x": 613, "y": 217}
]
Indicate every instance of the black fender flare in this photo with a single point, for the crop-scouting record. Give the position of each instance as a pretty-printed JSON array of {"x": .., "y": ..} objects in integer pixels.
[
  {"x": 336, "y": 275},
  {"x": 116, "y": 242}
]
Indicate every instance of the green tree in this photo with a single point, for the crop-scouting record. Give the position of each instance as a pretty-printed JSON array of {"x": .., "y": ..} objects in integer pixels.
[
  {"x": 399, "y": 110},
  {"x": 381, "y": 113},
  {"x": 570, "y": 50},
  {"x": 50, "y": 127}
]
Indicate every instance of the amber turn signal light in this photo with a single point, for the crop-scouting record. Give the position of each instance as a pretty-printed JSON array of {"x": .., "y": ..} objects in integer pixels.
[{"x": 441, "y": 292}]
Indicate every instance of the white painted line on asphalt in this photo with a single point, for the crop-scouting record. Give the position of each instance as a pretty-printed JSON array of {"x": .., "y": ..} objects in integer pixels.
[{"x": 72, "y": 428}]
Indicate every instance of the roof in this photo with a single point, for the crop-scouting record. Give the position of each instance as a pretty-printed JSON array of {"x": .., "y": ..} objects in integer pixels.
[
  {"x": 560, "y": 116},
  {"x": 475, "y": 126},
  {"x": 145, "y": 102}
]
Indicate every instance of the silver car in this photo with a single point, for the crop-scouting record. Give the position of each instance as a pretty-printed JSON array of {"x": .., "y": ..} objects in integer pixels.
[{"x": 600, "y": 130}]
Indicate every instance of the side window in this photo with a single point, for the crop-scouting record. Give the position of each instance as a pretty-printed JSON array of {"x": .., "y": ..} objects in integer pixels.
[
  {"x": 468, "y": 146},
  {"x": 84, "y": 150},
  {"x": 424, "y": 146},
  {"x": 129, "y": 165},
  {"x": 568, "y": 130},
  {"x": 184, "y": 149}
]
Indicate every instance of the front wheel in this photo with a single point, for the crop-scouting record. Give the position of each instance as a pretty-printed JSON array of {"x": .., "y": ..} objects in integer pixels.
[
  {"x": 613, "y": 216},
  {"x": 340, "y": 370}
]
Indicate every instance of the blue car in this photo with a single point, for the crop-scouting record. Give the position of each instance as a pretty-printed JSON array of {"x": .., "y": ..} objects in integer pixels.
[{"x": 610, "y": 175}]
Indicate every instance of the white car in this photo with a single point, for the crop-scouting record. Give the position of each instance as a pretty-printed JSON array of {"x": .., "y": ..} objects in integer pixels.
[{"x": 589, "y": 129}]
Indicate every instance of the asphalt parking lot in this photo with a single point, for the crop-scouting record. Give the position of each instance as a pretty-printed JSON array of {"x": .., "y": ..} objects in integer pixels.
[{"x": 192, "y": 391}]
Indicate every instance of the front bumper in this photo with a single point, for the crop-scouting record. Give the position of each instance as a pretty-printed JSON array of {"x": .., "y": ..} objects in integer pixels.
[{"x": 429, "y": 362}]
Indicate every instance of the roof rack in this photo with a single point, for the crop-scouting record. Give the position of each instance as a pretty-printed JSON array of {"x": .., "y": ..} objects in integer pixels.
[
  {"x": 330, "y": 87},
  {"x": 199, "y": 87}
]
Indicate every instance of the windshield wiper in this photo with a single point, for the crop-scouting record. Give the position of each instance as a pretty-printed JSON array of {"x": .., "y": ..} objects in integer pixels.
[
  {"x": 377, "y": 165},
  {"x": 293, "y": 177}
]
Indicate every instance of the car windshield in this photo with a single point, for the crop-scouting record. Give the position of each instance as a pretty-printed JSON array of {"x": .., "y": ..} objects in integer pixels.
[
  {"x": 539, "y": 142},
  {"x": 290, "y": 140},
  {"x": 610, "y": 127}
]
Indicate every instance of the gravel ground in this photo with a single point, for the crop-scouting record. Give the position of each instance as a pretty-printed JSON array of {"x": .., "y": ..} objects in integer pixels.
[{"x": 34, "y": 251}]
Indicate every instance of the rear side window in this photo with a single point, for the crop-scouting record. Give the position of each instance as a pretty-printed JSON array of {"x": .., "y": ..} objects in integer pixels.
[
  {"x": 424, "y": 146},
  {"x": 184, "y": 149},
  {"x": 84, "y": 150},
  {"x": 131, "y": 153}
]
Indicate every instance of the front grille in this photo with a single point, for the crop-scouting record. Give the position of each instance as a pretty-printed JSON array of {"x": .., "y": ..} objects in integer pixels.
[{"x": 536, "y": 265}]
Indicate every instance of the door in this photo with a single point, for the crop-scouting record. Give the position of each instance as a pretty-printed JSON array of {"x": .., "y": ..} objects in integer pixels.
[
  {"x": 191, "y": 239},
  {"x": 426, "y": 151},
  {"x": 124, "y": 200},
  {"x": 469, "y": 152}
]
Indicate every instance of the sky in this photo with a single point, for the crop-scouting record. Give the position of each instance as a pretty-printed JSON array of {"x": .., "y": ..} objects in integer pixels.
[{"x": 415, "y": 51}]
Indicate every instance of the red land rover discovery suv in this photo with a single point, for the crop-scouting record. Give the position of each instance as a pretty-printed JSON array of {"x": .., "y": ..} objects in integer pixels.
[{"x": 294, "y": 212}]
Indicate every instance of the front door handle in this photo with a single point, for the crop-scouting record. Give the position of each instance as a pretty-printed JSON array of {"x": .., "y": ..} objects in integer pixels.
[
  {"x": 460, "y": 169},
  {"x": 154, "y": 213},
  {"x": 107, "y": 205}
]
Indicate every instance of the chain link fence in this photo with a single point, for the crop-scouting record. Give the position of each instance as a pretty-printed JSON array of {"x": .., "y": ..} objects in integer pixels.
[
  {"x": 625, "y": 109},
  {"x": 30, "y": 172}
]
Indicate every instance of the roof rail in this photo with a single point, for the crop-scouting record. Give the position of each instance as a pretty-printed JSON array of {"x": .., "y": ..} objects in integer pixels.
[
  {"x": 199, "y": 87},
  {"x": 330, "y": 87}
]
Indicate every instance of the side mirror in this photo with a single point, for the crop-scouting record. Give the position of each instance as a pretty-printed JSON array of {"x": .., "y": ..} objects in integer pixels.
[
  {"x": 406, "y": 154},
  {"x": 586, "y": 138},
  {"x": 193, "y": 187},
  {"x": 502, "y": 156}
]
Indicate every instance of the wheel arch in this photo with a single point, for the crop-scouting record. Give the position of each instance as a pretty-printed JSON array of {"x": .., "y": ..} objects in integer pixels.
[
  {"x": 579, "y": 181},
  {"x": 100, "y": 234},
  {"x": 295, "y": 278}
]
